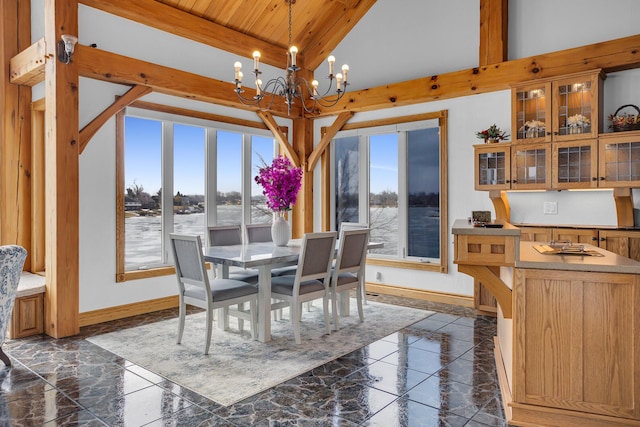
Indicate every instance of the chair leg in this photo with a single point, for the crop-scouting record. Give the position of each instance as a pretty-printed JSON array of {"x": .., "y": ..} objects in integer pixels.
[
  {"x": 309, "y": 305},
  {"x": 359, "y": 298},
  {"x": 253, "y": 306},
  {"x": 325, "y": 308},
  {"x": 240, "y": 321},
  {"x": 5, "y": 358},
  {"x": 181, "y": 316},
  {"x": 207, "y": 341},
  {"x": 364, "y": 293},
  {"x": 334, "y": 309},
  {"x": 295, "y": 308},
  {"x": 224, "y": 321}
]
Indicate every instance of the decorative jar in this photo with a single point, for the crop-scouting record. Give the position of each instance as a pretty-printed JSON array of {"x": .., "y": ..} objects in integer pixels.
[{"x": 280, "y": 229}]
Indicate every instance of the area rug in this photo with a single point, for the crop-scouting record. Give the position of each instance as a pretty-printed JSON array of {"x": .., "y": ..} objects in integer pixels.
[{"x": 237, "y": 367}]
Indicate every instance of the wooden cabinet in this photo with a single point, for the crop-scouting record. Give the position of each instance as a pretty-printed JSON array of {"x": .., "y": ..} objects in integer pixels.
[
  {"x": 576, "y": 347},
  {"x": 536, "y": 234},
  {"x": 621, "y": 242},
  {"x": 493, "y": 166},
  {"x": 503, "y": 166},
  {"x": 27, "y": 316},
  {"x": 561, "y": 109},
  {"x": 575, "y": 164},
  {"x": 576, "y": 235},
  {"x": 531, "y": 166},
  {"x": 619, "y": 159}
]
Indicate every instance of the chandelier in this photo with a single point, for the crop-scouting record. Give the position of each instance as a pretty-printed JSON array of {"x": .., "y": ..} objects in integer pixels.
[{"x": 291, "y": 86}]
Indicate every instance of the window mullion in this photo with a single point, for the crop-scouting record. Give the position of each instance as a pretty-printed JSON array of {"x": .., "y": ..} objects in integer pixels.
[
  {"x": 211, "y": 177},
  {"x": 167, "y": 188},
  {"x": 402, "y": 195}
]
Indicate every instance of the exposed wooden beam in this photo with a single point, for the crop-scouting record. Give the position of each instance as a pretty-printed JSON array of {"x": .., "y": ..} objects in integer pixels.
[
  {"x": 172, "y": 20},
  {"x": 270, "y": 122},
  {"x": 89, "y": 130},
  {"x": 613, "y": 55},
  {"x": 494, "y": 27},
  {"x": 27, "y": 67},
  {"x": 202, "y": 115},
  {"x": 61, "y": 175},
  {"x": 101, "y": 65},
  {"x": 327, "y": 137}
]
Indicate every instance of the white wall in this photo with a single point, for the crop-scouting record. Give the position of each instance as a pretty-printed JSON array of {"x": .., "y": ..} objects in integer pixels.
[{"x": 416, "y": 39}]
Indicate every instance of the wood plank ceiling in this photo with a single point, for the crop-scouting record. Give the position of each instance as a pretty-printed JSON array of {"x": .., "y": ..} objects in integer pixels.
[{"x": 317, "y": 25}]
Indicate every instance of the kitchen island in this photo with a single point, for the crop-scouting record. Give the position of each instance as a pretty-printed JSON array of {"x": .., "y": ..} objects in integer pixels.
[{"x": 568, "y": 342}]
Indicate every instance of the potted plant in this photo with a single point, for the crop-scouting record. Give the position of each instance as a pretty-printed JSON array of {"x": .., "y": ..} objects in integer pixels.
[
  {"x": 492, "y": 134},
  {"x": 280, "y": 183}
]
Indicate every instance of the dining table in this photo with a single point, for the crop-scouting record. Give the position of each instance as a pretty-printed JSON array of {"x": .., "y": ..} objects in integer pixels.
[{"x": 263, "y": 256}]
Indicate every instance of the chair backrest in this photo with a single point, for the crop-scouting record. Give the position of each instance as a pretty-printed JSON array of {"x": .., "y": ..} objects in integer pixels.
[
  {"x": 352, "y": 225},
  {"x": 12, "y": 259},
  {"x": 189, "y": 261},
  {"x": 225, "y": 235},
  {"x": 258, "y": 232},
  {"x": 352, "y": 251},
  {"x": 316, "y": 256}
]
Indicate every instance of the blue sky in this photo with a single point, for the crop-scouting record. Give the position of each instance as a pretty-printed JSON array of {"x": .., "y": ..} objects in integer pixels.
[{"x": 143, "y": 159}]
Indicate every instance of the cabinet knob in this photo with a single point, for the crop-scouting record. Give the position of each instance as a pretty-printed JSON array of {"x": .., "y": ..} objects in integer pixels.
[
  {"x": 548, "y": 133},
  {"x": 556, "y": 133},
  {"x": 514, "y": 181},
  {"x": 602, "y": 178},
  {"x": 594, "y": 178},
  {"x": 602, "y": 239},
  {"x": 507, "y": 181},
  {"x": 594, "y": 238}
]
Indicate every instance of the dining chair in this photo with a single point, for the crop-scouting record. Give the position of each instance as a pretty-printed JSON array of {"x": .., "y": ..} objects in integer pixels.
[
  {"x": 12, "y": 259},
  {"x": 348, "y": 272},
  {"x": 258, "y": 232},
  {"x": 195, "y": 288},
  {"x": 311, "y": 280},
  {"x": 345, "y": 225},
  {"x": 227, "y": 235}
]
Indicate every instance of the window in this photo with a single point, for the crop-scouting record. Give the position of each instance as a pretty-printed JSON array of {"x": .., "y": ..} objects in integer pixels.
[
  {"x": 393, "y": 178},
  {"x": 182, "y": 176}
]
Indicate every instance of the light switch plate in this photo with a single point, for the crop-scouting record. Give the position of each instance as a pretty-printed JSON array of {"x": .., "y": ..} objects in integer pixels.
[{"x": 550, "y": 208}]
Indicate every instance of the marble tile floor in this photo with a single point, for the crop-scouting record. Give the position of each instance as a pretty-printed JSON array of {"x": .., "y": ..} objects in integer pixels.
[{"x": 437, "y": 372}]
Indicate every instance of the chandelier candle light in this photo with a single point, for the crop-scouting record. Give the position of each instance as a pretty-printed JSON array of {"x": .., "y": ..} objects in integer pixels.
[{"x": 292, "y": 86}]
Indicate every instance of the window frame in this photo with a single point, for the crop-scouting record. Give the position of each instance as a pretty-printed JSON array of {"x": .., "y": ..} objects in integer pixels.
[
  {"x": 171, "y": 115},
  {"x": 365, "y": 127}
]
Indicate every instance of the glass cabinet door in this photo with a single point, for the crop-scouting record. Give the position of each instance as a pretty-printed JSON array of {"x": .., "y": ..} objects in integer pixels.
[
  {"x": 531, "y": 166},
  {"x": 530, "y": 113},
  {"x": 575, "y": 164},
  {"x": 493, "y": 170},
  {"x": 619, "y": 164},
  {"x": 575, "y": 109}
]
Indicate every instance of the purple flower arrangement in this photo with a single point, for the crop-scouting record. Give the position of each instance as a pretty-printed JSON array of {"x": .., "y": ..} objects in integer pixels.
[{"x": 280, "y": 183}]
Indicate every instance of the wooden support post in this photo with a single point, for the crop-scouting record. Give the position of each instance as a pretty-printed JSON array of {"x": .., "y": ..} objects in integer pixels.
[
  {"x": 15, "y": 125},
  {"x": 501, "y": 205},
  {"x": 303, "y": 146},
  {"x": 62, "y": 169},
  {"x": 624, "y": 206},
  {"x": 494, "y": 25}
]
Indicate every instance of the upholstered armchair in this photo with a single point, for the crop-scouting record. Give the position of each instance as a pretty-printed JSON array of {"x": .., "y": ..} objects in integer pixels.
[{"x": 11, "y": 262}]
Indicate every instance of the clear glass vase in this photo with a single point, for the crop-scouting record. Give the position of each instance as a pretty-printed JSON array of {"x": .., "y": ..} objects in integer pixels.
[{"x": 280, "y": 229}]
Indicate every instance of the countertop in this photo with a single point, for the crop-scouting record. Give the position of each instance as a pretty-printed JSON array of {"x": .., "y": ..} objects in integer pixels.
[
  {"x": 528, "y": 257},
  {"x": 461, "y": 226},
  {"x": 609, "y": 263}
]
